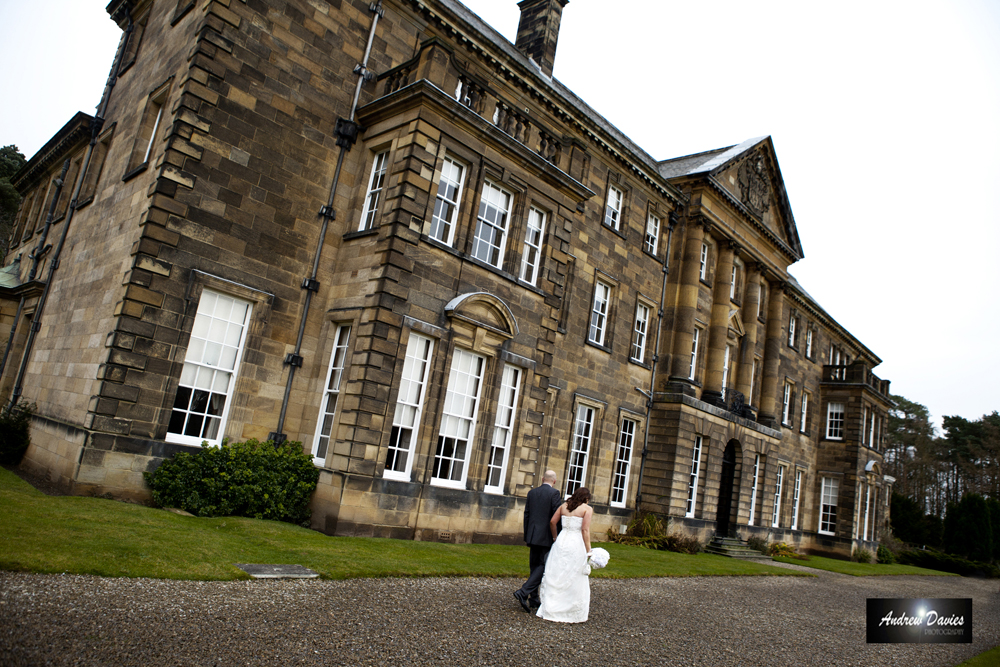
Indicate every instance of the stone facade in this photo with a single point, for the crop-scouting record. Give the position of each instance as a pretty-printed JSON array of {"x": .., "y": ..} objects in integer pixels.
[{"x": 383, "y": 231}]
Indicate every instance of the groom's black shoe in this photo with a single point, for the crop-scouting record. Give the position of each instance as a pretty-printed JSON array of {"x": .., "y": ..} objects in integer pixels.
[
  {"x": 534, "y": 603},
  {"x": 523, "y": 599}
]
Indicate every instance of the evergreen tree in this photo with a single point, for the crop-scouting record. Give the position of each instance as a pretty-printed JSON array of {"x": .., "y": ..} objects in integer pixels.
[{"x": 11, "y": 161}]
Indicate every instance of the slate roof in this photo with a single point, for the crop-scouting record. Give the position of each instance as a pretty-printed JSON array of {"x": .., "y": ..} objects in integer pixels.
[{"x": 707, "y": 162}]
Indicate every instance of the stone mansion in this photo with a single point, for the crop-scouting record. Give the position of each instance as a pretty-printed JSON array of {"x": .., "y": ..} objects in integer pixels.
[{"x": 384, "y": 231}]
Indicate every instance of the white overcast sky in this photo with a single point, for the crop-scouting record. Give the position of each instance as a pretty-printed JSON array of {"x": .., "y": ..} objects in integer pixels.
[{"x": 885, "y": 116}]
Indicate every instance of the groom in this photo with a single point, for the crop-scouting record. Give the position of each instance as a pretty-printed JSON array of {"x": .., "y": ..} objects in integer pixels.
[{"x": 543, "y": 501}]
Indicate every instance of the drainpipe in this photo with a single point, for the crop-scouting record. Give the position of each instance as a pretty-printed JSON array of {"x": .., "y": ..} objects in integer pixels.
[
  {"x": 36, "y": 255},
  {"x": 95, "y": 130},
  {"x": 656, "y": 358},
  {"x": 347, "y": 133}
]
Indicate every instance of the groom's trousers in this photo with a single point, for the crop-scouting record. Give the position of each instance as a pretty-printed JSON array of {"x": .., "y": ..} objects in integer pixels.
[{"x": 536, "y": 561}]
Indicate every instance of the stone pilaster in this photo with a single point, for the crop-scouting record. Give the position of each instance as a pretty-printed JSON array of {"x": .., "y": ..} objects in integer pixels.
[
  {"x": 772, "y": 355},
  {"x": 751, "y": 301},
  {"x": 718, "y": 331},
  {"x": 687, "y": 304}
]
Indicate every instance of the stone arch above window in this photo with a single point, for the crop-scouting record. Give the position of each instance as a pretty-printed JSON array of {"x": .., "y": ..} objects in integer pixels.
[{"x": 483, "y": 320}]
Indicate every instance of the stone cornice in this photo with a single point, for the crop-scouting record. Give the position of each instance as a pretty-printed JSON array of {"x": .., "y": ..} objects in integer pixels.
[
  {"x": 72, "y": 134},
  {"x": 425, "y": 93}
]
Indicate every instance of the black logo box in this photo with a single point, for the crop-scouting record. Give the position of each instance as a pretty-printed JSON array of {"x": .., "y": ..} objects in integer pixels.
[{"x": 919, "y": 620}]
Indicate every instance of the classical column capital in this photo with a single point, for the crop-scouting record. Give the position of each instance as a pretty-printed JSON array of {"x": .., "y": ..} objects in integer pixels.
[{"x": 734, "y": 246}]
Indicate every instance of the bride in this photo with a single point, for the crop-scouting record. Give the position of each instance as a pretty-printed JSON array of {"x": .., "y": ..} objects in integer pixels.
[{"x": 565, "y": 589}]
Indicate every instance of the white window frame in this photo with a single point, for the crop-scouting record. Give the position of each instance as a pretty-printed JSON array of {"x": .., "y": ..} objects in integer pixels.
[
  {"x": 331, "y": 394},
  {"x": 793, "y": 320},
  {"x": 492, "y": 225},
  {"x": 597, "y": 333},
  {"x": 503, "y": 429},
  {"x": 623, "y": 463},
  {"x": 613, "y": 209},
  {"x": 725, "y": 366},
  {"x": 694, "y": 353},
  {"x": 692, "y": 499},
  {"x": 409, "y": 407},
  {"x": 457, "y": 434},
  {"x": 835, "y": 421},
  {"x": 652, "y": 233},
  {"x": 871, "y": 428},
  {"x": 753, "y": 488},
  {"x": 732, "y": 284},
  {"x": 156, "y": 126},
  {"x": 795, "y": 499},
  {"x": 809, "y": 343},
  {"x": 786, "y": 404},
  {"x": 446, "y": 204},
  {"x": 579, "y": 455},
  {"x": 703, "y": 268},
  {"x": 531, "y": 256},
  {"x": 639, "y": 331},
  {"x": 804, "y": 412},
  {"x": 376, "y": 185},
  {"x": 868, "y": 499},
  {"x": 778, "y": 485},
  {"x": 211, "y": 365},
  {"x": 829, "y": 491}
]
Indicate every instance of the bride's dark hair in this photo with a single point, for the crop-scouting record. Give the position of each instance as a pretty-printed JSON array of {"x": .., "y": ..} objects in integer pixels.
[{"x": 579, "y": 497}]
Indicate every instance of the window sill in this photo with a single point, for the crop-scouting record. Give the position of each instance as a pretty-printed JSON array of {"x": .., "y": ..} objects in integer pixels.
[
  {"x": 447, "y": 484},
  {"x": 643, "y": 364},
  {"x": 129, "y": 175},
  {"x": 395, "y": 476},
  {"x": 604, "y": 348},
  {"x": 360, "y": 233}
]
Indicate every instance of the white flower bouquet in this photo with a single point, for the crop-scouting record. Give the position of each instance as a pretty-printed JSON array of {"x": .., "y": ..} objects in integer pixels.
[{"x": 599, "y": 558}]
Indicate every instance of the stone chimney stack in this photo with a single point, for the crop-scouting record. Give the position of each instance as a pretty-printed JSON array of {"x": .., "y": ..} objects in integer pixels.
[{"x": 538, "y": 31}]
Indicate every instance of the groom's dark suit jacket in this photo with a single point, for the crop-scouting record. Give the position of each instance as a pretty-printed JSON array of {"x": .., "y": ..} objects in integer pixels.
[{"x": 542, "y": 503}]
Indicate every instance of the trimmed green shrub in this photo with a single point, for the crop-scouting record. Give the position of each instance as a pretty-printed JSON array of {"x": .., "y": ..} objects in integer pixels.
[
  {"x": 14, "y": 433},
  {"x": 885, "y": 555},
  {"x": 780, "y": 549},
  {"x": 861, "y": 555},
  {"x": 936, "y": 560},
  {"x": 758, "y": 544},
  {"x": 254, "y": 479}
]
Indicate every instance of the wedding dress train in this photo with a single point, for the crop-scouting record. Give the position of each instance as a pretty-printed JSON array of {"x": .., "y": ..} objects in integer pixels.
[{"x": 565, "y": 589}]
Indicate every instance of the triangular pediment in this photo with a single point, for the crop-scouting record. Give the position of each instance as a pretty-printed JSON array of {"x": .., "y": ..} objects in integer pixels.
[
  {"x": 751, "y": 178},
  {"x": 736, "y": 323}
]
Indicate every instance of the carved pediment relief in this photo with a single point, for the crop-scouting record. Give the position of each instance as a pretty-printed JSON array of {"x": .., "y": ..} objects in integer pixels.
[
  {"x": 754, "y": 184},
  {"x": 482, "y": 320}
]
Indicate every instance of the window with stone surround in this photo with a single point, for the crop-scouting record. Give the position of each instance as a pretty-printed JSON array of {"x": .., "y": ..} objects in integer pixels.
[
  {"x": 652, "y": 234},
  {"x": 88, "y": 190},
  {"x": 727, "y": 362},
  {"x": 835, "y": 421},
  {"x": 809, "y": 342},
  {"x": 787, "y": 399},
  {"x": 531, "y": 255},
  {"x": 623, "y": 463},
  {"x": 373, "y": 196},
  {"x": 693, "y": 368},
  {"x": 579, "y": 455},
  {"x": 639, "y": 330},
  {"x": 753, "y": 489},
  {"x": 599, "y": 313},
  {"x": 804, "y": 413},
  {"x": 449, "y": 195},
  {"x": 458, "y": 419},
  {"x": 492, "y": 224},
  {"x": 703, "y": 266},
  {"x": 613, "y": 208},
  {"x": 503, "y": 430},
  {"x": 692, "y": 498},
  {"x": 331, "y": 394},
  {"x": 778, "y": 486},
  {"x": 151, "y": 125},
  {"x": 409, "y": 407},
  {"x": 828, "y": 506},
  {"x": 208, "y": 376},
  {"x": 796, "y": 491},
  {"x": 793, "y": 323}
]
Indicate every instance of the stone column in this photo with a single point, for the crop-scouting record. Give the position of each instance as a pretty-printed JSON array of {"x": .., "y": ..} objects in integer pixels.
[
  {"x": 718, "y": 328},
  {"x": 687, "y": 304},
  {"x": 772, "y": 354},
  {"x": 751, "y": 299}
]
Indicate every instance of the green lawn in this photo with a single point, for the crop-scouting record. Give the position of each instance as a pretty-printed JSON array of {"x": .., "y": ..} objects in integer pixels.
[
  {"x": 81, "y": 535},
  {"x": 859, "y": 569}
]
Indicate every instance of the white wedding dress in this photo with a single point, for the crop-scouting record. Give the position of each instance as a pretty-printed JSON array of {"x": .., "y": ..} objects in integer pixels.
[{"x": 565, "y": 589}]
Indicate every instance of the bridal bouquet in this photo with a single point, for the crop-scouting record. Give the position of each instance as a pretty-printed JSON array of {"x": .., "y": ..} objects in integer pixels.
[{"x": 599, "y": 557}]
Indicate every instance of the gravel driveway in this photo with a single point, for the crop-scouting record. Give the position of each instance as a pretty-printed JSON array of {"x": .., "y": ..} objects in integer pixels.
[{"x": 754, "y": 621}]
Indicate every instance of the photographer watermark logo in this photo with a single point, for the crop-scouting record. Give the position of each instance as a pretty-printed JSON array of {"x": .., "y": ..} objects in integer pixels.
[{"x": 919, "y": 621}]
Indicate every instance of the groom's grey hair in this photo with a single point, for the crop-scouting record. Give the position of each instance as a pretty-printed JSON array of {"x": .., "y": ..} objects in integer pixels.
[{"x": 549, "y": 477}]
